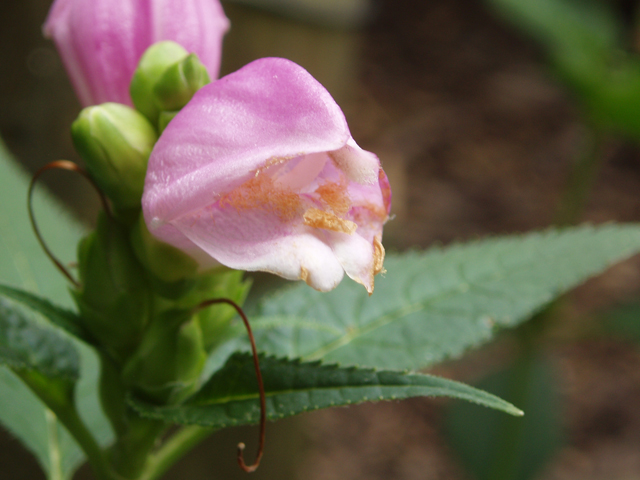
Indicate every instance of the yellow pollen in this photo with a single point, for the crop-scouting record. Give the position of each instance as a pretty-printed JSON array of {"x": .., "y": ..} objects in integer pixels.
[
  {"x": 260, "y": 192},
  {"x": 316, "y": 218},
  {"x": 335, "y": 196}
]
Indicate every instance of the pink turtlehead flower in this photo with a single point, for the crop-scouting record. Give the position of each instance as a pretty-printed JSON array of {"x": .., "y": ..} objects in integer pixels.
[
  {"x": 101, "y": 41},
  {"x": 259, "y": 171}
]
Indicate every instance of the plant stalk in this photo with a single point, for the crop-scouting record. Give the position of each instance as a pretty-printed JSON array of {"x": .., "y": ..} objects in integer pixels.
[{"x": 174, "y": 449}]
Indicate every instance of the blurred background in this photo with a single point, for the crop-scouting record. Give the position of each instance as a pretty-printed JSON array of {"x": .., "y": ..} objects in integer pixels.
[{"x": 484, "y": 114}]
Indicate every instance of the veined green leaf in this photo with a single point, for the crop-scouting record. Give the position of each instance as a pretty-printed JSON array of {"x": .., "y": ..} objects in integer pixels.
[
  {"x": 24, "y": 266},
  {"x": 26, "y": 344},
  {"x": 435, "y": 305},
  {"x": 61, "y": 317},
  {"x": 230, "y": 397}
]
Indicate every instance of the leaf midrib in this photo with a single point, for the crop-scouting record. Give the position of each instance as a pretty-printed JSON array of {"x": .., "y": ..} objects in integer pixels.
[
  {"x": 355, "y": 332},
  {"x": 464, "y": 285},
  {"x": 254, "y": 396}
]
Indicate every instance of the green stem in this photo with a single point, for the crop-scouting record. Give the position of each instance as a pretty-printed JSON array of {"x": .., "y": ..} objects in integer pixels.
[
  {"x": 174, "y": 449},
  {"x": 131, "y": 452},
  {"x": 581, "y": 180}
]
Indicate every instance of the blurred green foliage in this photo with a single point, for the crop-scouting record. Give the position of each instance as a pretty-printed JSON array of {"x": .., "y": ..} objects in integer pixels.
[{"x": 588, "y": 46}]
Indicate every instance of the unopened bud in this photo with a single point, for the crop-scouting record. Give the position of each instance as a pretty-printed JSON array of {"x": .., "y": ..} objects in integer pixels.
[
  {"x": 115, "y": 142},
  {"x": 169, "y": 360},
  {"x": 167, "y": 263},
  {"x": 164, "y": 119},
  {"x": 153, "y": 63},
  {"x": 113, "y": 286},
  {"x": 179, "y": 82},
  {"x": 166, "y": 79}
]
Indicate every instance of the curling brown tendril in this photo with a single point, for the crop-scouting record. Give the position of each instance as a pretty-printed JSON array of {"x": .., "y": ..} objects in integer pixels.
[
  {"x": 61, "y": 165},
  {"x": 256, "y": 363}
]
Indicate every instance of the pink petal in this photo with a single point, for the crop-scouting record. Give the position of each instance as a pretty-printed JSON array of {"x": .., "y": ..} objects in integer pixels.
[
  {"x": 255, "y": 241},
  {"x": 101, "y": 41},
  {"x": 271, "y": 109}
]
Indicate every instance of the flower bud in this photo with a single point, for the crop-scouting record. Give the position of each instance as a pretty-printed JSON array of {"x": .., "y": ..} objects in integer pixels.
[
  {"x": 215, "y": 319},
  {"x": 166, "y": 79},
  {"x": 113, "y": 286},
  {"x": 164, "y": 119},
  {"x": 115, "y": 142},
  {"x": 154, "y": 62},
  {"x": 164, "y": 261},
  {"x": 166, "y": 366},
  {"x": 101, "y": 41},
  {"x": 180, "y": 82}
]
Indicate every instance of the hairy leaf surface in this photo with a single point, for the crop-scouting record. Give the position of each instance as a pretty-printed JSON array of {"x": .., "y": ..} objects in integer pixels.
[
  {"x": 435, "y": 305},
  {"x": 26, "y": 344},
  {"x": 230, "y": 397}
]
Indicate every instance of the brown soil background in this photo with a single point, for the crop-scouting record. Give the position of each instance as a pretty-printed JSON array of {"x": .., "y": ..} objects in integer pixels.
[{"x": 478, "y": 139}]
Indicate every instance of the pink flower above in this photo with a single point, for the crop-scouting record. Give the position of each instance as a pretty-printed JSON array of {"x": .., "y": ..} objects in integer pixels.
[
  {"x": 260, "y": 171},
  {"x": 101, "y": 41}
]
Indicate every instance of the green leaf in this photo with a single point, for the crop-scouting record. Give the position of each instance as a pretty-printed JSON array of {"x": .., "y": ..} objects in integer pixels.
[
  {"x": 26, "y": 344},
  {"x": 585, "y": 41},
  {"x": 565, "y": 24},
  {"x": 230, "y": 397},
  {"x": 435, "y": 305},
  {"x": 24, "y": 266},
  {"x": 61, "y": 317}
]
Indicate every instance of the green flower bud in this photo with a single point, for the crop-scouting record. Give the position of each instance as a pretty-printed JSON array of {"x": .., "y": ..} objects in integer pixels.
[
  {"x": 115, "y": 142},
  {"x": 152, "y": 65},
  {"x": 167, "y": 365},
  {"x": 179, "y": 82},
  {"x": 166, "y": 79},
  {"x": 164, "y": 119},
  {"x": 215, "y": 319},
  {"x": 114, "y": 297},
  {"x": 167, "y": 263}
]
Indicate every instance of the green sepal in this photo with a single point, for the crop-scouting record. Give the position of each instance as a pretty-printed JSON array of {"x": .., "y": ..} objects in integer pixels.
[
  {"x": 115, "y": 142},
  {"x": 169, "y": 264},
  {"x": 166, "y": 366},
  {"x": 114, "y": 297}
]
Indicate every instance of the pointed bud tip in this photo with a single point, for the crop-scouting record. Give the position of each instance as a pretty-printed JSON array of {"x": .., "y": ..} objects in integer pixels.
[
  {"x": 166, "y": 79},
  {"x": 115, "y": 142}
]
